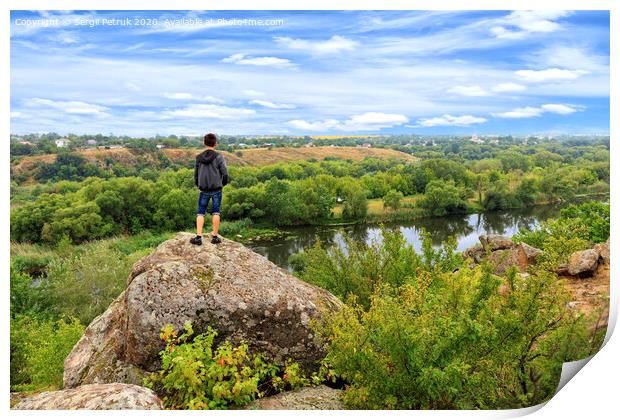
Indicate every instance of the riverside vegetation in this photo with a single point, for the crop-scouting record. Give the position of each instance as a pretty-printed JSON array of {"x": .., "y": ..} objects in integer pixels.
[{"x": 418, "y": 330}]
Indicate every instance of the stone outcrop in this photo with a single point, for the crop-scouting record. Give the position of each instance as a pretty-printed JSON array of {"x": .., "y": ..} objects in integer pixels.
[
  {"x": 503, "y": 259},
  {"x": 531, "y": 253},
  {"x": 495, "y": 242},
  {"x": 502, "y": 253},
  {"x": 583, "y": 263},
  {"x": 310, "y": 398},
  {"x": 239, "y": 293},
  {"x": 114, "y": 396},
  {"x": 603, "y": 251}
]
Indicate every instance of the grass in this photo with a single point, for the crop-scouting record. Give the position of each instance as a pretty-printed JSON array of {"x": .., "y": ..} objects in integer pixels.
[{"x": 376, "y": 208}]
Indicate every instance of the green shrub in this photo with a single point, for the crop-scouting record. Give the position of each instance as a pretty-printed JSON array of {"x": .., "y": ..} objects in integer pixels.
[
  {"x": 361, "y": 268},
  {"x": 38, "y": 351},
  {"x": 85, "y": 282},
  {"x": 452, "y": 341},
  {"x": 194, "y": 375}
]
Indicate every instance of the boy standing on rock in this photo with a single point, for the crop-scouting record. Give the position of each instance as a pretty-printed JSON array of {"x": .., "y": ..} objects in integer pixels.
[{"x": 210, "y": 176}]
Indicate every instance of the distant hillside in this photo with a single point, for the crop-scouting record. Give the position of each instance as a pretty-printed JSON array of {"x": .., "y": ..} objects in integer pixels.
[{"x": 247, "y": 157}]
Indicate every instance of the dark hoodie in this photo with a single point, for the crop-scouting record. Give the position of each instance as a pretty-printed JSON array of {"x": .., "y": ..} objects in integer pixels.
[{"x": 210, "y": 173}]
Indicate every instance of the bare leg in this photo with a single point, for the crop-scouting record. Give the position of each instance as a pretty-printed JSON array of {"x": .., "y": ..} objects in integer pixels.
[
  {"x": 216, "y": 224},
  {"x": 200, "y": 221}
]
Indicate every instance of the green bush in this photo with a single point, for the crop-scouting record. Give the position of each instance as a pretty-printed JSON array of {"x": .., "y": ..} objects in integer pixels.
[
  {"x": 452, "y": 341},
  {"x": 359, "y": 269},
  {"x": 194, "y": 375},
  {"x": 83, "y": 283},
  {"x": 38, "y": 351}
]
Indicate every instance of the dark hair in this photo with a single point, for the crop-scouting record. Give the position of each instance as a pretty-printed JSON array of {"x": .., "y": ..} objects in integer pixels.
[{"x": 210, "y": 140}]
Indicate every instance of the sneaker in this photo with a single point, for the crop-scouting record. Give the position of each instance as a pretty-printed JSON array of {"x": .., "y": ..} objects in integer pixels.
[
  {"x": 196, "y": 240},
  {"x": 216, "y": 240}
]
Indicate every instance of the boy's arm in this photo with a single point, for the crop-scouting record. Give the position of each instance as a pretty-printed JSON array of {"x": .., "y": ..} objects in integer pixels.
[
  {"x": 223, "y": 170},
  {"x": 196, "y": 173}
]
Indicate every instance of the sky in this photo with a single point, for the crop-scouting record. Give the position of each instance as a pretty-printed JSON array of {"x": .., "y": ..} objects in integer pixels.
[{"x": 142, "y": 73}]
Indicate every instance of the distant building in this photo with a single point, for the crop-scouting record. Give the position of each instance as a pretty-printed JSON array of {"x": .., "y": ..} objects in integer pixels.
[
  {"x": 366, "y": 145},
  {"x": 27, "y": 143},
  {"x": 91, "y": 142},
  {"x": 62, "y": 142},
  {"x": 309, "y": 144},
  {"x": 160, "y": 146},
  {"x": 115, "y": 146},
  {"x": 268, "y": 144},
  {"x": 476, "y": 140}
]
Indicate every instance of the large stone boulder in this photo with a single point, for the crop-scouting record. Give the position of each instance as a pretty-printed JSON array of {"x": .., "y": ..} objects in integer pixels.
[
  {"x": 583, "y": 263},
  {"x": 503, "y": 259},
  {"x": 495, "y": 242},
  {"x": 239, "y": 293},
  {"x": 309, "y": 398},
  {"x": 476, "y": 253},
  {"x": 531, "y": 252},
  {"x": 94, "y": 397},
  {"x": 603, "y": 251}
]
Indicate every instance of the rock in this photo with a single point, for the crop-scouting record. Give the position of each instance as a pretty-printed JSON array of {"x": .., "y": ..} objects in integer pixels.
[
  {"x": 531, "y": 253},
  {"x": 95, "y": 357},
  {"x": 503, "y": 259},
  {"x": 604, "y": 251},
  {"x": 562, "y": 270},
  {"x": 309, "y": 398},
  {"x": 495, "y": 242},
  {"x": 583, "y": 263},
  {"x": 476, "y": 253},
  {"x": 239, "y": 293},
  {"x": 113, "y": 396}
]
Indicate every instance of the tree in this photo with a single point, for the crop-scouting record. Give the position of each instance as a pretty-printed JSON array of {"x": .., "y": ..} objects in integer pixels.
[
  {"x": 355, "y": 205},
  {"x": 443, "y": 198},
  {"x": 393, "y": 199}
]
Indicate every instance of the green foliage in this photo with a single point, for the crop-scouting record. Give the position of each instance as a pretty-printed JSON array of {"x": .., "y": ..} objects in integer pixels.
[
  {"x": 594, "y": 215},
  {"x": 38, "y": 351},
  {"x": 355, "y": 206},
  {"x": 443, "y": 197},
  {"x": 359, "y": 270},
  {"x": 83, "y": 284},
  {"x": 579, "y": 227},
  {"x": 446, "y": 340},
  {"x": 392, "y": 199},
  {"x": 194, "y": 375}
]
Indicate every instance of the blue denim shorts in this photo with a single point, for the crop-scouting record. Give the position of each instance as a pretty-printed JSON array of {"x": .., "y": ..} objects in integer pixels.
[{"x": 203, "y": 202}]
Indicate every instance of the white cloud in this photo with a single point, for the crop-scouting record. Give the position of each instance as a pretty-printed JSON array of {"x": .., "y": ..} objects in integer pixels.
[
  {"x": 521, "y": 23},
  {"x": 314, "y": 126},
  {"x": 190, "y": 96},
  {"x": 559, "y": 109},
  {"x": 369, "y": 121},
  {"x": 372, "y": 121},
  {"x": 530, "y": 111},
  {"x": 468, "y": 91},
  {"x": 210, "y": 111},
  {"x": 549, "y": 75},
  {"x": 252, "y": 92},
  {"x": 272, "y": 105},
  {"x": 69, "y": 107},
  {"x": 525, "y": 112},
  {"x": 508, "y": 87},
  {"x": 16, "y": 114},
  {"x": 258, "y": 61},
  {"x": 450, "y": 120},
  {"x": 335, "y": 44},
  {"x": 132, "y": 87}
]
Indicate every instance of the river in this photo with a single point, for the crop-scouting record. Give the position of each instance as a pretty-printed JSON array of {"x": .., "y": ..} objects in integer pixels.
[{"x": 465, "y": 228}]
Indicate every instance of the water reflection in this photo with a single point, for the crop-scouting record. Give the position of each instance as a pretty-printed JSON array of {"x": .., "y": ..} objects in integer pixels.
[{"x": 465, "y": 228}]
